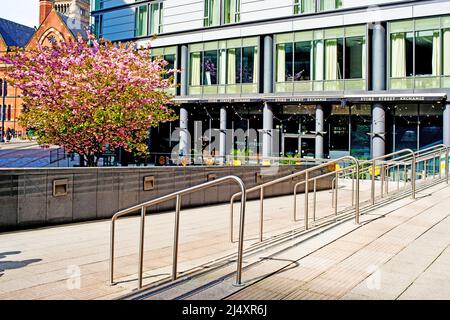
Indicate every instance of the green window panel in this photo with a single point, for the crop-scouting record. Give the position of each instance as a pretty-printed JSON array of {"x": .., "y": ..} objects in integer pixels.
[
  {"x": 232, "y": 10},
  {"x": 326, "y": 5},
  {"x": 304, "y": 6},
  {"x": 141, "y": 26}
]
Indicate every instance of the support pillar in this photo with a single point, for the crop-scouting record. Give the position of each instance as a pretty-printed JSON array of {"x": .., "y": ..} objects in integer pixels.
[
  {"x": 319, "y": 132},
  {"x": 379, "y": 130},
  {"x": 184, "y": 133},
  {"x": 268, "y": 64},
  {"x": 223, "y": 135},
  {"x": 446, "y": 126},
  {"x": 267, "y": 130},
  {"x": 378, "y": 84},
  {"x": 184, "y": 70}
]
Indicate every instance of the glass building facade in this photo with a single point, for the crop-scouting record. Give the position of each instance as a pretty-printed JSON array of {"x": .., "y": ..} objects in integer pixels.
[{"x": 306, "y": 78}]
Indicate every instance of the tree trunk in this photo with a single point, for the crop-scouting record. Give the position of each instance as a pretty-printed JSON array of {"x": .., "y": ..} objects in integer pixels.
[{"x": 81, "y": 160}]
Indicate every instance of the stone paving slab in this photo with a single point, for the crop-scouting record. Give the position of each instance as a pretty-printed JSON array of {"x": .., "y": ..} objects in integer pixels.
[
  {"x": 41, "y": 263},
  {"x": 405, "y": 254}
]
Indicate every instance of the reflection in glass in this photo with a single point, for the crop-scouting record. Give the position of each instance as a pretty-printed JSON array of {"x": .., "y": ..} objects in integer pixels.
[
  {"x": 334, "y": 59},
  {"x": 209, "y": 67},
  {"x": 354, "y": 58},
  {"x": 427, "y": 53},
  {"x": 302, "y": 58},
  {"x": 248, "y": 65},
  {"x": 284, "y": 62}
]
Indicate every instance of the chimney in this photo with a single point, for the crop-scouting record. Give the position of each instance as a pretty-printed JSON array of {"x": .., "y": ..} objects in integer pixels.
[{"x": 45, "y": 7}]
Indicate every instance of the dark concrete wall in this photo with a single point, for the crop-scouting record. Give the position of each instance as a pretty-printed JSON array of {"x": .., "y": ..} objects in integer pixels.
[{"x": 27, "y": 200}]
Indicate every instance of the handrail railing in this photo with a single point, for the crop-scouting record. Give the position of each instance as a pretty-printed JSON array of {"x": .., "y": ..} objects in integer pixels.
[
  {"x": 178, "y": 196},
  {"x": 305, "y": 172}
]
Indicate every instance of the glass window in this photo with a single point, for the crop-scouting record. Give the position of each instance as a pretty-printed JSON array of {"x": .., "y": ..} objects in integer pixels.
[
  {"x": 284, "y": 62},
  {"x": 406, "y": 125},
  {"x": 402, "y": 48},
  {"x": 212, "y": 13},
  {"x": 210, "y": 67},
  {"x": 248, "y": 65},
  {"x": 334, "y": 59},
  {"x": 156, "y": 18},
  {"x": 446, "y": 52},
  {"x": 302, "y": 61},
  {"x": 427, "y": 53},
  {"x": 338, "y": 123},
  {"x": 361, "y": 128},
  {"x": 304, "y": 6},
  {"x": 330, "y": 4},
  {"x": 195, "y": 69},
  {"x": 141, "y": 28},
  {"x": 98, "y": 21},
  {"x": 232, "y": 11},
  {"x": 355, "y": 58},
  {"x": 221, "y": 63},
  {"x": 431, "y": 123}
]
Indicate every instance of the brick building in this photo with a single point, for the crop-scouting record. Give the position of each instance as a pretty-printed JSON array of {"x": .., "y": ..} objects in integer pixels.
[{"x": 54, "y": 25}]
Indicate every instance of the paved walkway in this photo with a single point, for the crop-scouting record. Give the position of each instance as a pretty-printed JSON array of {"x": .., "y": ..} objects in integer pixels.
[
  {"x": 28, "y": 154},
  {"x": 44, "y": 263},
  {"x": 402, "y": 255}
]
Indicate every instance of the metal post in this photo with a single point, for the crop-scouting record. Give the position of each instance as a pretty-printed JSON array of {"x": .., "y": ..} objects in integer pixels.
[
  {"x": 383, "y": 177},
  {"x": 446, "y": 165},
  {"x": 295, "y": 203},
  {"x": 357, "y": 195},
  {"x": 261, "y": 214},
  {"x": 141, "y": 248},
  {"x": 241, "y": 235},
  {"x": 336, "y": 185},
  {"x": 353, "y": 190},
  {"x": 398, "y": 177},
  {"x": 434, "y": 166},
  {"x": 406, "y": 176},
  {"x": 176, "y": 232},
  {"x": 372, "y": 189},
  {"x": 425, "y": 166},
  {"x": 333, "y": 185},
  {"x": 315, "y": 200},
  {"x": 387, "y": 180},
  {"x": 413, "y": 176},
  {"x": 306, "y": 198},
  {"x": 231, "y": 219},
  {"x": 111, "y": 266}
]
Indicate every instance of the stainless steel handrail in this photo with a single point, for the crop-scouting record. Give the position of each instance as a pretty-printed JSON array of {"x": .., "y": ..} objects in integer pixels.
[
  {"x": 177, "y": 195},
  {"x": 305, "y": 172}
]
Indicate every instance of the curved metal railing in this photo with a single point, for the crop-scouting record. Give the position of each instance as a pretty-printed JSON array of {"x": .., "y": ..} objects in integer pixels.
[
  {"x": 178, "y": 196},
  {"x": 305, "y": 172}
]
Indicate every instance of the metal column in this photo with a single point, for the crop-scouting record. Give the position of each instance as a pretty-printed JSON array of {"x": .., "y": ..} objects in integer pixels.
[
  {"x": 379, "y": 84},
  {"x": 319, "y": 132},
  {"x": 446, "y": 126},
  {"x": 268, "y": 130},
  {"x": 268, "y": 64},
  {"x": 184, "y": 133},
  {"x": 223, "y": 135},
  {"x": 184, "y": 70}
]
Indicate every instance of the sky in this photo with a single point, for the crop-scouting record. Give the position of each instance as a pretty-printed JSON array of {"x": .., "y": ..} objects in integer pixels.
[{"x": 25, "y": 12}]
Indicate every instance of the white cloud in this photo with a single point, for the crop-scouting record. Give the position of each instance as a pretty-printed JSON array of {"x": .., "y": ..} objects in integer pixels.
[{"x": 25, "y": 12}]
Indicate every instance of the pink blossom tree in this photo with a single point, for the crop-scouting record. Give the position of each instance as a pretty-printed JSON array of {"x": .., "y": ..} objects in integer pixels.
[{"x": 88, "y": 97}]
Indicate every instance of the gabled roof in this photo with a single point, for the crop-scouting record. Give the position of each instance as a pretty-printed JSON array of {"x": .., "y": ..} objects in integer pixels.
[
  {"x": 73, "y": 25},
  {"x": 14, "y": 34}
]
